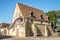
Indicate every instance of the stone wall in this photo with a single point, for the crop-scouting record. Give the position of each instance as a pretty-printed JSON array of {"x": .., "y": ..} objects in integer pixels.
[
  {"x": 17, "y": 13},
  {"x": 35, "y": 28},
  {"x": 28, "y": 30},
  {"x": 40, "y": 29}
]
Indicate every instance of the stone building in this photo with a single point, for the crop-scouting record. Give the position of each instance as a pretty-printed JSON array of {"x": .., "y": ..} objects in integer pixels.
[
  {"x": 28, "y": 21},
  {"x": 4, "y": 28}
]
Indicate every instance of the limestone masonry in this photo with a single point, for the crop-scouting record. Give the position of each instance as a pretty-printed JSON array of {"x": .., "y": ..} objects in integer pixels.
[{"x": 28, "y": 21}]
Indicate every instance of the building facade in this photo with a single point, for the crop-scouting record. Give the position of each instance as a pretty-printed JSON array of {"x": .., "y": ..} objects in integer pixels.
[
  {"x": 28, "y": 21},
  {"x": 4, "y": 28}
]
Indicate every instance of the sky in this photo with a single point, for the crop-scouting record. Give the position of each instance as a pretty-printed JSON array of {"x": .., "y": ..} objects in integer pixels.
[{"x": 7, "y": 7}]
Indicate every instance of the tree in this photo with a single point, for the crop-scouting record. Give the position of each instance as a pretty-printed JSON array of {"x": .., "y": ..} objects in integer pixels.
[{"x": 54, "y": 17}]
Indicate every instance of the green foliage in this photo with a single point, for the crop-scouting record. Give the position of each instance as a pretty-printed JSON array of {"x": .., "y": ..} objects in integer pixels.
[
  {"x": 54, "y": 16},
  {"x": 58, "y": 28}
]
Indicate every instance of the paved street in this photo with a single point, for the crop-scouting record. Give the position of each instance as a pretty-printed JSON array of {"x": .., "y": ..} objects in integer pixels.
[{"x": 31, "y": 38}]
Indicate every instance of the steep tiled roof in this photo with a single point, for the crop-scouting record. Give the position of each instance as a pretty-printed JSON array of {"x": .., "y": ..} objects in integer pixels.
[{"x": 26, "y": 11}]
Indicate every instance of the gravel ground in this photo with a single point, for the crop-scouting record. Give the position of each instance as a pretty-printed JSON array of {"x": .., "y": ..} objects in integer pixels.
[{"x": 32, "y": 38}]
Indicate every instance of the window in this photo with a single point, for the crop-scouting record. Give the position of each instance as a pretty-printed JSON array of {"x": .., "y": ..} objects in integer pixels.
[
  {"x": 41, "y": 16},
  {"x": 48, "y": 18},
  {"x": 21, "y": 19},
  {"x": 31, "y": 14}
]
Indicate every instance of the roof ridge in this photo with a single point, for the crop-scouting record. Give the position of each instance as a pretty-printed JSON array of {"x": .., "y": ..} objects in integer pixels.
[{"x": 28, "y": 6}]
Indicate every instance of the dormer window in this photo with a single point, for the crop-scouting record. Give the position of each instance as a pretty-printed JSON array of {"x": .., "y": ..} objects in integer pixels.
[
  {"x": 48, "y": 18},
  {"x": 31, "y": 14},
  {"x": 41, "y": 16}
]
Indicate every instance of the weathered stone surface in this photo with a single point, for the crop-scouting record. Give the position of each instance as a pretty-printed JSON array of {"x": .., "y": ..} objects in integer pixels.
[{"x": 27, "y": 22}]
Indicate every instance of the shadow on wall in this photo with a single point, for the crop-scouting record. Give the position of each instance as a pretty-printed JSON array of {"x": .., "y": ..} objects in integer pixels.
[
  {"x": 49, "y": 32},
  {"x": 29, "y": 31},
  {"x": 39, "y": 33}
]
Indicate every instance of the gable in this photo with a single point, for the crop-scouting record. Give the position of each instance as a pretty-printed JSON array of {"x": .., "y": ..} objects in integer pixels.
[{"x": 17, "y": 13}]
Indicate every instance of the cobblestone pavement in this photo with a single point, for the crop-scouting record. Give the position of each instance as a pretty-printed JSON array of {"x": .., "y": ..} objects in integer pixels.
[{"x": 32, "y": 38}]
